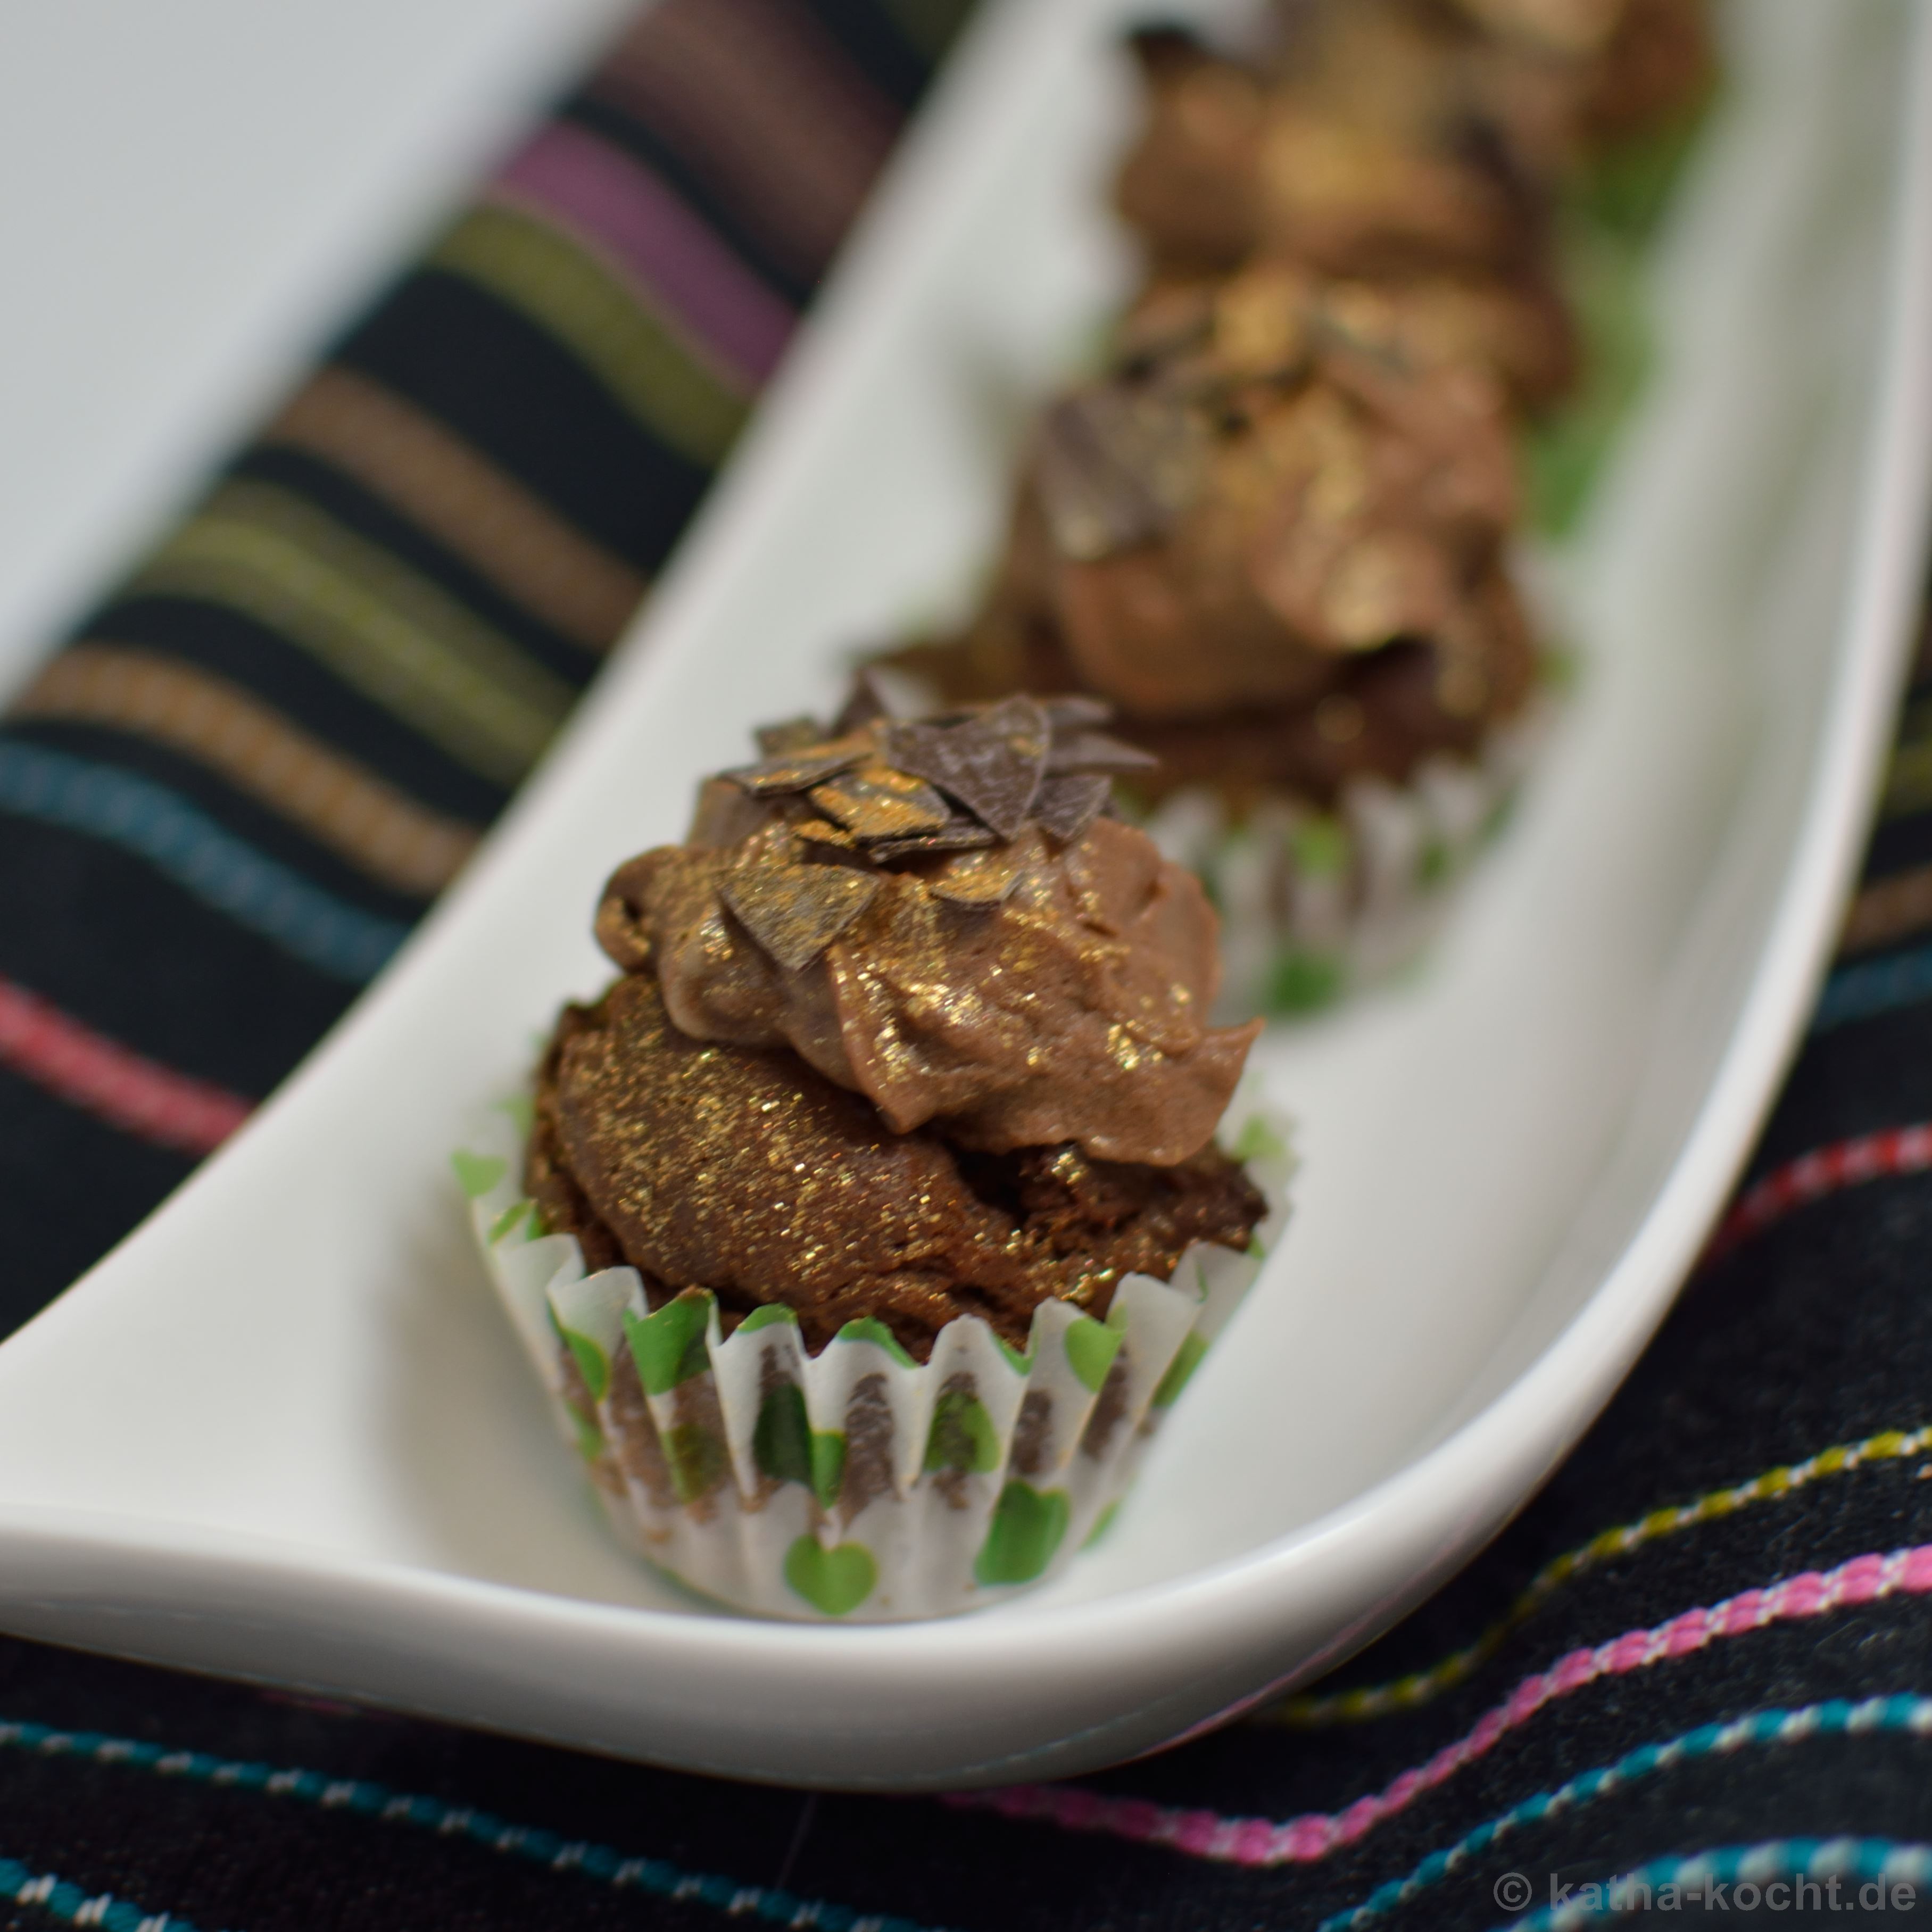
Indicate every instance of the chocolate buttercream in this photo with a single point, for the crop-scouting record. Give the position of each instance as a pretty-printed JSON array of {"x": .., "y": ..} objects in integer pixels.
[
  {"x": 1332, "y": 499},
  {"x": 1016, "y": 988},
  {"x": 1382, "y": 717}
]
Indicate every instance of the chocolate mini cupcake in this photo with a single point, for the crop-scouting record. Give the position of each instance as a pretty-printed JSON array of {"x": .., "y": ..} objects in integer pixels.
[
  {"x": 1277, "y": 544},
  {"x": 871, "y": 1218},
  {"x": 1486, "y": 174},
  {"x": 1401, "y": 138},
  {"x": 1368, "y": 154},
  {"x": 1276, "y": 532}
]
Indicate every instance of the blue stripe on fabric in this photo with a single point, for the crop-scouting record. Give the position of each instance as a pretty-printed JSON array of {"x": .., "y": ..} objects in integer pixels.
[
  {"x": 365, "y": 1799},
  {"x": 1840, "y": 1867},
  {"x": 195, "y": 852},
  {"x": 1836, "y": 1718},
  {"x": 1863, "y": 992},
  {"x": 67, "y": 1902}
]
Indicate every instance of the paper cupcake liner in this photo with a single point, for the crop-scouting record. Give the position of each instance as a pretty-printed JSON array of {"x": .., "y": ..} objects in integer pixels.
[
  {"x": 856, "y": 1484},
  {"x": 1313, "y": 903}
]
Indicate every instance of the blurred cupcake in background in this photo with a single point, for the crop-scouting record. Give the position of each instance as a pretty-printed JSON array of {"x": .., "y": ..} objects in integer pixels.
[
  {"x": 1275, "y": 532},
  {"x": 1277, "y": 544}
]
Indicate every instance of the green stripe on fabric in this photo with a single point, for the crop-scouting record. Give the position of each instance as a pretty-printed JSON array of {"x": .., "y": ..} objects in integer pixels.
[
  {"x": 556, "y": 283},
  {"x": 393, "y": 634},
  {"x": 1908, "y": 783},
  {"x": 930, "y": 25}
]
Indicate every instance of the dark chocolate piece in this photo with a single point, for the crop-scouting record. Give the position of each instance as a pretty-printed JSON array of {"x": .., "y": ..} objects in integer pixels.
[
  {"x": 1097, "y": 751},
  {"x": 1069, "y": 803},
  {"x": 987, "y": 880},
  {"x": 958, "y": 835},
  {"x": 822, "y": 832},
  {"x": 800, "y": 768},
  {"x": 790, "y": 734},
  {"x": 991, "y": 763},
  {"x": 795, "y": 911},
  {"x": 1073, "y": 708},
  {"x": 876, "y": 802},
  {"x": 866, "y": 705},
  {"x": 1116, "y": 465}
]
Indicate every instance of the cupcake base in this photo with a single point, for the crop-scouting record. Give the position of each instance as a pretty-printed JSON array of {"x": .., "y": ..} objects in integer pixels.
[{"x": 856, "y": 1484}]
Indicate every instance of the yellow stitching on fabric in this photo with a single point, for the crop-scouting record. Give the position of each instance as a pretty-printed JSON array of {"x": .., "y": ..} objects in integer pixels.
[
  {"x": 930, "y": 25},
  {"x": 1908, "y": 778},
  {"x": 509, "y": 536},
  {"x": 367, "y": 820},
  {"x": 571, "y": 296},
  {"x": 390, "y": 632},
  {"x": 1319, "y": 1710}
]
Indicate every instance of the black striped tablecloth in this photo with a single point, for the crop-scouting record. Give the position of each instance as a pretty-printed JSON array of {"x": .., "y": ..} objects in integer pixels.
[{"x": 1703, "y": 1656}]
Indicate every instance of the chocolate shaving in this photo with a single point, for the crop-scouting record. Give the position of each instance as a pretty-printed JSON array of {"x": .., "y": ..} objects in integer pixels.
[
  {"x": 790, "y": 734},
  {"x": 795, "y": 911},
  {"x": 800, "y": 770},
  {"x": 1073, "y": 708},
  {"x": 1070, "y": 802},
  {"x": 725, "y": 815},
  {"x": 866, "y": 705},
  {"x": 1096, "y": 751},
  {"x": 1022, "y": 722},
  {"x": 962, "y": 835},
  {"x": 876, "y": 802},
  {"x": 822, "y": 832},
  {"x": 1116, "y": 465},
  {"x": 985, "y": 879},
  {"x": 991, "y": 763}
]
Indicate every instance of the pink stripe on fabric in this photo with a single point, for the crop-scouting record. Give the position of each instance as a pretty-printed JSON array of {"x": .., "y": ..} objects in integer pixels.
[
  {"x": 568, "y": 173},
  {"x": 775, "y": 117},
  {"x": 130, "y": 1092},
  {"x": 1261, "y": 1841},
  {"x": 1825, "y": 1170}
]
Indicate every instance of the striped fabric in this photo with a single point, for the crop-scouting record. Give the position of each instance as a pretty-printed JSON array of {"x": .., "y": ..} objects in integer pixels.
[
  {"x": 224, "y": 803},
  {"x": 1694, "y": 1679}
]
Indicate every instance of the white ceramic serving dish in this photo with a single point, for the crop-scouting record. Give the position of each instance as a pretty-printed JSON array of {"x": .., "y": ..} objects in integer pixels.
[
  {"x": 283, "y": 1431},
  {"x": 239, "y": 178}
]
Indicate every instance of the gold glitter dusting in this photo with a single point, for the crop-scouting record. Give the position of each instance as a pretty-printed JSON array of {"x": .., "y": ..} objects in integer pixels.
[
  {"x": 748, "y": 1174},
  {"x": 979, "y": 878},
  {"x": 823, "y": 832},
  {"x": 876, "y": 802}
]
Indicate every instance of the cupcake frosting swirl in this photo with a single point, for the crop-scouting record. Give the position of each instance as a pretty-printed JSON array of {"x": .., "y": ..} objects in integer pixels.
[{"x": 938, "y": 916}]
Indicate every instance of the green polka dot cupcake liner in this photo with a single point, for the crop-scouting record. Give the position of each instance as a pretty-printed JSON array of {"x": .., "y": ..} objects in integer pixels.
[
  {"x": 856, "y": 1485},
  {"x": 1315, "y": 904}
]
